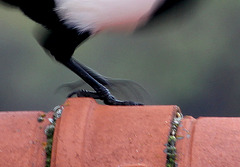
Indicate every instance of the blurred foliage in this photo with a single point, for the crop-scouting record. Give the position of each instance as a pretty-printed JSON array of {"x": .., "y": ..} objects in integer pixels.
[{"x": 191, "y": 62}]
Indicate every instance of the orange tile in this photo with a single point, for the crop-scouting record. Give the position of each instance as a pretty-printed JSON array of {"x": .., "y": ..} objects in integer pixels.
[
  {"x": 216, "y": 142},
  {"x": 93, "y": 135},
  {"x": 22, "y": 139},
  {"x": 209, "y": 142}
]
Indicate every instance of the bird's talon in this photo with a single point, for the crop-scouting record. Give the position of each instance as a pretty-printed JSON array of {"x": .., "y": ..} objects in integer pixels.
[{"x": 107, "y": 98}]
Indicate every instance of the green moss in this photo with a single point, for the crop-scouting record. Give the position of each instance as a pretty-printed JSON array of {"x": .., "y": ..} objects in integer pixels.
[
  {"x": 171, "y": 150},
  {"x": 49, "y": 131},
  {"x": 41, "y": 117}
]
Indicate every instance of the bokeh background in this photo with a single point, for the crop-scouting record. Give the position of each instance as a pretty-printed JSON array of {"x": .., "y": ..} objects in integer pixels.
[{"x": 192, "y": 62}]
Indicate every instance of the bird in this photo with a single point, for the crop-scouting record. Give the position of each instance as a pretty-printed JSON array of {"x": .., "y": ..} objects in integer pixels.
[{"x": 69, "y": 23}]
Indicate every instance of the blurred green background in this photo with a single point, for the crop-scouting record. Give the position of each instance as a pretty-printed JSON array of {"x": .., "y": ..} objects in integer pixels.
[{"x": 191, "y": 62}]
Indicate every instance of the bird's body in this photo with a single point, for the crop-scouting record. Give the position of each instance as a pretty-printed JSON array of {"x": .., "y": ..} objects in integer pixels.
[
  {"x": 99, "y": 15},
  {"x": 70, "y": 22}
]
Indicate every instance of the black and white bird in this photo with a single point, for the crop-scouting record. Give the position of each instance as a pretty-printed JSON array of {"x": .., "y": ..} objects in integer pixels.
[{"x": 70, "y": 22}]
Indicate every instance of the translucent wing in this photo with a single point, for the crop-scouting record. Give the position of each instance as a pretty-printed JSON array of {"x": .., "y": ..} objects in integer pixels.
[{"x": 121, "y": 89}]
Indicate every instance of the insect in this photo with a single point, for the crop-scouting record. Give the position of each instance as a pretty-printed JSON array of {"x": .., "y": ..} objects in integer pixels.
[{"x": 71, "y": 22}]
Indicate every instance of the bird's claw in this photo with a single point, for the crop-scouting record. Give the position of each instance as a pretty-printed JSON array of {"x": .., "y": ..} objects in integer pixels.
[{"x": 107, "y": 98}]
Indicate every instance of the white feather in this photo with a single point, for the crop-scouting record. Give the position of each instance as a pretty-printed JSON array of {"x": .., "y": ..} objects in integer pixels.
[{"x": 100, "y": 15}]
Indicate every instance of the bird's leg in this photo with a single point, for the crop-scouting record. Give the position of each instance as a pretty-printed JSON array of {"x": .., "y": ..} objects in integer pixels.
[
  {"x": 61, "y": 44},
  {"x": 102, "y": 92},
  {"x": 100, "y": 78}
]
